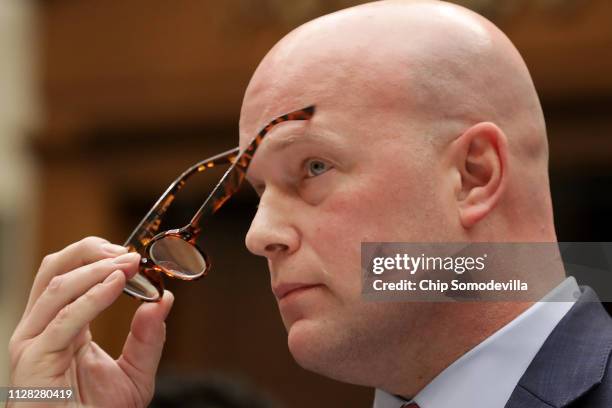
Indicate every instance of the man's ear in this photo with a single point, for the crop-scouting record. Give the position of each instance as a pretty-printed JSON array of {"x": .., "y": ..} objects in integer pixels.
[{"x": 480, "y": 156}]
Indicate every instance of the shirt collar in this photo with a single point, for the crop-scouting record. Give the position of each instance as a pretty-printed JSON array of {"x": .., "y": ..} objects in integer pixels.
[{"x": 474, "y": 380}]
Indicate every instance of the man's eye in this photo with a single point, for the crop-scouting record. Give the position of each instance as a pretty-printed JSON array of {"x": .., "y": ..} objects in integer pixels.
[{"x": 315, "y": 167}]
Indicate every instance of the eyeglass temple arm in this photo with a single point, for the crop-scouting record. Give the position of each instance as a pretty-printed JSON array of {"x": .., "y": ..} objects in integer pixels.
[
  {"x": 233, "y": 177},
  {"x": 149, "y": 225},
  {"x": 227, "y": 186}
]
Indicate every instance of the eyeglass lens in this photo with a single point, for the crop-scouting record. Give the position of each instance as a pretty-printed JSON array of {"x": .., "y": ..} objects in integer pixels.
[
  {"x": 178, "y": 257},
  {"x": 142, "y": 288}
]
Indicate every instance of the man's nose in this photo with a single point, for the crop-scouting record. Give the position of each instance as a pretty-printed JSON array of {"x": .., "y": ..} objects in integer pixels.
[{"x": 272, "y": 232}]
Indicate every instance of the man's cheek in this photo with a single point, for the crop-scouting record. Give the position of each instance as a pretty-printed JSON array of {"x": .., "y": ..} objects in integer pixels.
[
  {"x": 352, "y": 212},
  {"x": 341, "y": 258}
]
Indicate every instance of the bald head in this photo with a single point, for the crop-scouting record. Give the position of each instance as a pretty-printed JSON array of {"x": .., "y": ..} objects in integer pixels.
[
  {"x": 436, "y": 67},
  {"x": 441, "y": 59}
]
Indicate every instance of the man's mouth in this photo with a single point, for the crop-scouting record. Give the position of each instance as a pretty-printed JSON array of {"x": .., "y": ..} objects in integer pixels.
[{"x": 285, "y": 289}]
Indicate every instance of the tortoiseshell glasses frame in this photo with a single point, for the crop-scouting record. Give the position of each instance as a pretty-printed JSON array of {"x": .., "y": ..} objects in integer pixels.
[{"x": 174, "y": 253}]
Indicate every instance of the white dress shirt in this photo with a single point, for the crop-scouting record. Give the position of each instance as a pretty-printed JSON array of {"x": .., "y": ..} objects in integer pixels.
[{"x": 486, "y": 375}]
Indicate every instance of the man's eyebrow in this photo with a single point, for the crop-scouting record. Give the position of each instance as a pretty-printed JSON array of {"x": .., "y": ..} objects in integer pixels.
[
  {"x": 304, "y": 114},
  {"x": 276, "y": 144},
  {"x": 282, "y": 142},
  {"x": 330, "y": 141}
]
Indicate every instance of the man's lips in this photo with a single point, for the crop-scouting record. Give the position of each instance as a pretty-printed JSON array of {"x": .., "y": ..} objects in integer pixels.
[{"x": 284, "y": 289}]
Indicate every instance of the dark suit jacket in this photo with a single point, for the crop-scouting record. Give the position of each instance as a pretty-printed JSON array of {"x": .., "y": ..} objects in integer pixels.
[{"x": 573, "y": 367}]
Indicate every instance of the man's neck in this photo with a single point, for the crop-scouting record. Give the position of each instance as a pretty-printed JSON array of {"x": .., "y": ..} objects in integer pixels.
[{"x": 461, "y": 327}]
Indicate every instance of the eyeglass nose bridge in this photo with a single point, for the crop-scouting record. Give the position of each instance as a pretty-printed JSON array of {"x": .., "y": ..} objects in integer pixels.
[{"x": 151, "y": 274}]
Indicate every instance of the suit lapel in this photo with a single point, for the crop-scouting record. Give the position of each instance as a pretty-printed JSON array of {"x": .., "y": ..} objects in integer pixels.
[
  {"x": 571, "y": 361},
  {"x": 523, "y": 398}
]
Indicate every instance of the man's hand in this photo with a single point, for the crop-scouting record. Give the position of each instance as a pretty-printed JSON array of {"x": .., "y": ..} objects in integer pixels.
[{"x": 52, "y": 345}]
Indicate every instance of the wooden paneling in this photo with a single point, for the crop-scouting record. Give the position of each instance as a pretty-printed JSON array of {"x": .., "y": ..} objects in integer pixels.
[
  {"x": 569, "y": 53},
  {"x": 143, "y": 61}
]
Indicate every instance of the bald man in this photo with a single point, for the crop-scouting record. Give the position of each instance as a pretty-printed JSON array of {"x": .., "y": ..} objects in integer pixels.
[{"x": 427, "y": 127}]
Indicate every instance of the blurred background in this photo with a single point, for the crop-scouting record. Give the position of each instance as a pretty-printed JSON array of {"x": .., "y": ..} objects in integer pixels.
[{"x": 104, "y": 102}]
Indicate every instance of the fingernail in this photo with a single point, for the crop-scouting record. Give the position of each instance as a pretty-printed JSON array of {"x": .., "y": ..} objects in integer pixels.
[
  {"x": 128, "y": 258},
  {"x": 114, "y": 249},
  {"x": 170, "y": 305},
  {"x": 113, "y": 277}
]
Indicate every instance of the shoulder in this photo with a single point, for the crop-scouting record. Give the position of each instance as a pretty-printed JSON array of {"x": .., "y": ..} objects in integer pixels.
[{"x": 573, "y": 367}]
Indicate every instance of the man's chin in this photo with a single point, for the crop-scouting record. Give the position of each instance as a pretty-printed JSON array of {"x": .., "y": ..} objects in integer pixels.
[
  {"x": 306, "y": 342},
  {"x": 318, "y": 348}
]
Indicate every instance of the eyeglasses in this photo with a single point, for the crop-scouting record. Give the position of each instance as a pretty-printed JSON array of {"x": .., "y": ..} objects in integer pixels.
[{"x": 174, "y": 253}]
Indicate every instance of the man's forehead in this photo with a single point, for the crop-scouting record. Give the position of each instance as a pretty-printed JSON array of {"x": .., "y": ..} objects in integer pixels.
[
  {"x": 267, "y": 120},
  {"x": 299, "y": 118},
  {"x": 270, "y": 100},
  {"x": 334, "y": 71},
  {"x": 340, "y": 86}
]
